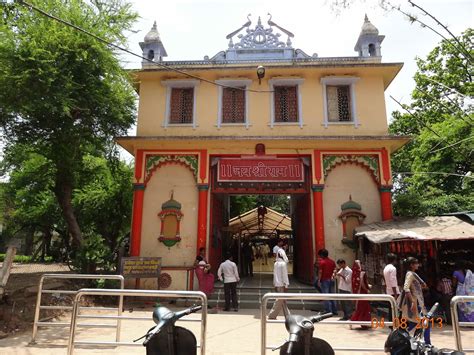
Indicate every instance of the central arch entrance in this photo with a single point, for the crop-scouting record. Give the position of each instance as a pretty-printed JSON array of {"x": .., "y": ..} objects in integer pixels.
[{"x": 240, "y": 182}]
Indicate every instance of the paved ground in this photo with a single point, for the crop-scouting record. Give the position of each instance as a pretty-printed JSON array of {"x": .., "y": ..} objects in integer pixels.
[{"x": 227, "y": 333}]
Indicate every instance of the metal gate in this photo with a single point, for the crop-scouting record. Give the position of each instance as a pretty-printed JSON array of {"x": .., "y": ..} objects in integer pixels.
[
  {"x": 39, "y": 323},
  {"x": 135, "y": 293},
  {"x": 456, "y": 324},
  {"x": 322, "y": 297}
]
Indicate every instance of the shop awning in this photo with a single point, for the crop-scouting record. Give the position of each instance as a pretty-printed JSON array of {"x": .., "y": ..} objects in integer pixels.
[
  {"x": 272, "y": 224},
  {"x": 421, "y": 228}
]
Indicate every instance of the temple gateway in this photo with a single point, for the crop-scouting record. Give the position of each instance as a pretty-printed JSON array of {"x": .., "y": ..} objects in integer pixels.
[{"x": 260, "y": 117}]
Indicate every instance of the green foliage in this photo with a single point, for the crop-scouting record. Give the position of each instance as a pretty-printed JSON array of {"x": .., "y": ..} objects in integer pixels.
[
  {"x": 24, "y": 259},
  {"x": 102, "y": 185},
  {"x": 94, "y": 254},
  {"x": 64, "y": 94},
  {"x": 435, "y": 166}
]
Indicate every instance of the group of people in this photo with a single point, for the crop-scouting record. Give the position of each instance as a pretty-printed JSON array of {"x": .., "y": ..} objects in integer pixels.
[{"x": 410, "y": 297}]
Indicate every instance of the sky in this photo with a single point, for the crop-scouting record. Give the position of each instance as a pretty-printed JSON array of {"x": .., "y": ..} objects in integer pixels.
[{"x": 191, "y": 29}]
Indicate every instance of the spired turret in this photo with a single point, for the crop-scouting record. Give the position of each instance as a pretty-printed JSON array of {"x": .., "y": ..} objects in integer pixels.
[
  {"x": 368, "y": 43},
  {"x": 152, "y": 47}
]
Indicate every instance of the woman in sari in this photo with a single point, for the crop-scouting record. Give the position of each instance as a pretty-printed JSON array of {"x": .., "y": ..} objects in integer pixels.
[
  {"x": 412, "y": 301},
  {"x": 463, "y": 283},
  {"x": 360, "y": 285},
  {"x": 203, "y": 274}
]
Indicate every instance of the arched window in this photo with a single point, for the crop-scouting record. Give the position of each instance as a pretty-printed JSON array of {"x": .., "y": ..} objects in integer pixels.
[
  {"x": 151, "y": 54},
  {"x": 372, "y": 50}
]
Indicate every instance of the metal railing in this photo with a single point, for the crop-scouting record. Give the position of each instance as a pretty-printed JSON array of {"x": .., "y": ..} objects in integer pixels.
[
  {"x": 38, "y": 323},
  {"x": 134, "y": 293},
  {"x": 323, "y": 297},
  {"x": 455, "y": 319}
]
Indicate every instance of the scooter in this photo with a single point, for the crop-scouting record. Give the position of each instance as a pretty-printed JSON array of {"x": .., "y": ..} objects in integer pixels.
[
  {"x": 301, "y": 340},
  {"x": 400, "y": 342},
  {"x": 168, "y": 339}
]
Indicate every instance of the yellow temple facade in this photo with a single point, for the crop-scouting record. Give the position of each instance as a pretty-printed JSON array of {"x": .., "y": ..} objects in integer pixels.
[{"x": 259, "y": 118}]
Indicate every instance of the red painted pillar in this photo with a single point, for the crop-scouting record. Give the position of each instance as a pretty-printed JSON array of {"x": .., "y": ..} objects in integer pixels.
[
  {"x": 318, "y": 216},
  {"x": 137, "y": 217},
  {"x": 386, "y": 202},
  {"x": 202, "y": 216}
]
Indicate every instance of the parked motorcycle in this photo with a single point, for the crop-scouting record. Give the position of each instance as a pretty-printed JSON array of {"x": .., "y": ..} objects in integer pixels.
[
  {"x": 400, "y": 342},
  {"x": 301, "y": 340},
  {"x": 168, "y": 339}
]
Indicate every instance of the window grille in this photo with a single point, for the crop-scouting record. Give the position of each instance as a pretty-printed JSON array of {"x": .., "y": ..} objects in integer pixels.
[
  {"x": 339, "y": 103},
  {"x": 233, "y": 105},
  {"x": 286, "y": 103},
  {"x": 182, "y": 102}
]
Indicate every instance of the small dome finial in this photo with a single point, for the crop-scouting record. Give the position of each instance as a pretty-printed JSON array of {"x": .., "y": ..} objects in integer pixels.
[
  {"x": 152, "y": 35},
  {"x": 366, "y": 19}
]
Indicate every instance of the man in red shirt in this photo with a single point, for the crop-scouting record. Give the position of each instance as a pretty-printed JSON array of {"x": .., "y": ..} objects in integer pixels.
[{"x": 326, "y": 278}]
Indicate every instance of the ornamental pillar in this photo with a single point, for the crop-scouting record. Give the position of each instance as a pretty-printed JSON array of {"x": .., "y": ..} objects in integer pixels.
[
  {"x": 137, "y": 217},
  {"x": 202, "y": 216},
  {"x": 318, "y": 216},
  {"x": 386, "y": 202}
]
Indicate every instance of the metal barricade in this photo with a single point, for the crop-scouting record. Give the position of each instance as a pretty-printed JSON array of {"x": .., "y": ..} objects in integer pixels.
[
  {"x": 323, "y": 297},
  {"x": 455, "y": 319},
  {"x": 38, "y": 323},
  {"x": 133, "y": 293}
]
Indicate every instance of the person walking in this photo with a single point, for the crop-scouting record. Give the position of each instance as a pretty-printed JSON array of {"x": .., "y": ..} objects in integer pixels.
[
  {"x": 325, "y": 278},
  {"x": 247, "y": 256},
  {"x": 444, "y": 289},
  {"x": 280, "y": 279},
  {"x": 360, "y": 285},
  {"x": 203, "y": 274},
  {"x": 463, "y": 283},
  {"x": 265, "y": 253},
  {"x": 344, "y": 279},
  {"x": 390, "y": 278},
  {"x": 412, "y": 301},
  {"x": 229, "y": 274}
]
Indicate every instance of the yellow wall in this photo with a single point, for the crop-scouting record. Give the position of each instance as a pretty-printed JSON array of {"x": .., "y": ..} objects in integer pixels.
[
  {"x": 182, "y": 182},
  {"x": 341, "y": 182},
  {"x": 370, "y": 103}
]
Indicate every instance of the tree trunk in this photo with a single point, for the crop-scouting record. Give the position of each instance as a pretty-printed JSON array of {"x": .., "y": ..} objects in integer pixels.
[{"x": 63, "y": 191}]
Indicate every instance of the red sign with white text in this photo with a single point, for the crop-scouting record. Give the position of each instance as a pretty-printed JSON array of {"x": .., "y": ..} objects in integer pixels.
[{"x": 254, "y": 170}]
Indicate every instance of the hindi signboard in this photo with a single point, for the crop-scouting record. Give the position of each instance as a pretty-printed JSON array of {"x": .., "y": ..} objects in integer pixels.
[
  {"x": 136, "y": 267},
  {"x": 256, "y": 170}
]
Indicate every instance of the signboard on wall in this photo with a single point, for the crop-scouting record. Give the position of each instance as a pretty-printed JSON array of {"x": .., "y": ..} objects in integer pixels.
[
  {"x": 256, "y": 170},
  {"x": 136, "y": 267}
]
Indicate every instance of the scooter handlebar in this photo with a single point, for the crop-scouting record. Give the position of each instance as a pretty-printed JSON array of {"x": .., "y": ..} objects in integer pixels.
[
  {"x": 432, "y": 311},
  {"x": 320, "y": 317}
]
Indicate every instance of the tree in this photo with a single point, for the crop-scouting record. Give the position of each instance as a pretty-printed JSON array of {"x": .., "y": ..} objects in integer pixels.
[
  {"x": 243, "y": 203},
  {"x": 63, "y": 93},
  {"x": 101, "y": 185},
  {"x": 435, "y": 167}
]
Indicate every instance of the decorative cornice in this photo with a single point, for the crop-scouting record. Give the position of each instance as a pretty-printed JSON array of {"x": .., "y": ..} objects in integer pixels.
[
  {"x": 385, "y": 188},
  {"x": 203, "y": 187},
  {"x": 139, "y": 187},
  {"x": 317, "y": 188},
  {"x": 370, "y": 162},
  {"x": 155, "y": 161}
]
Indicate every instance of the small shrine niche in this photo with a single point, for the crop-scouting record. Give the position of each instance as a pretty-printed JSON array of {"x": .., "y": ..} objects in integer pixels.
[
  {"x": 170, "y": 216},
  {"x": 351, "y": 217}
]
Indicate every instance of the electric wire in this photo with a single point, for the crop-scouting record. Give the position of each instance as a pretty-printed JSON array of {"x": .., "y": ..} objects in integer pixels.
[
  {"x": 100, "y": 39},
  {"x": 431, "y": 173}
]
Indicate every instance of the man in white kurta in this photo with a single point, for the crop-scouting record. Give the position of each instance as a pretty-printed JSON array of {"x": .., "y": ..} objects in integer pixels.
[{"x": 280, "y": 280}]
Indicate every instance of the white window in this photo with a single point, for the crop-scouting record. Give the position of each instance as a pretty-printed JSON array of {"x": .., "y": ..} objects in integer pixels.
[
  {"x": 180, "y": 103},
  {"x": 285, "y": 102},
  {"x": 233, "y": 104},
  {"x": 339, "y": 100}
]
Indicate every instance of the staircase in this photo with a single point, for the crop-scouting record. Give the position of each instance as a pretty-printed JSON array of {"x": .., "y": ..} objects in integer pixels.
[{"x": 251, "y": 289}]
